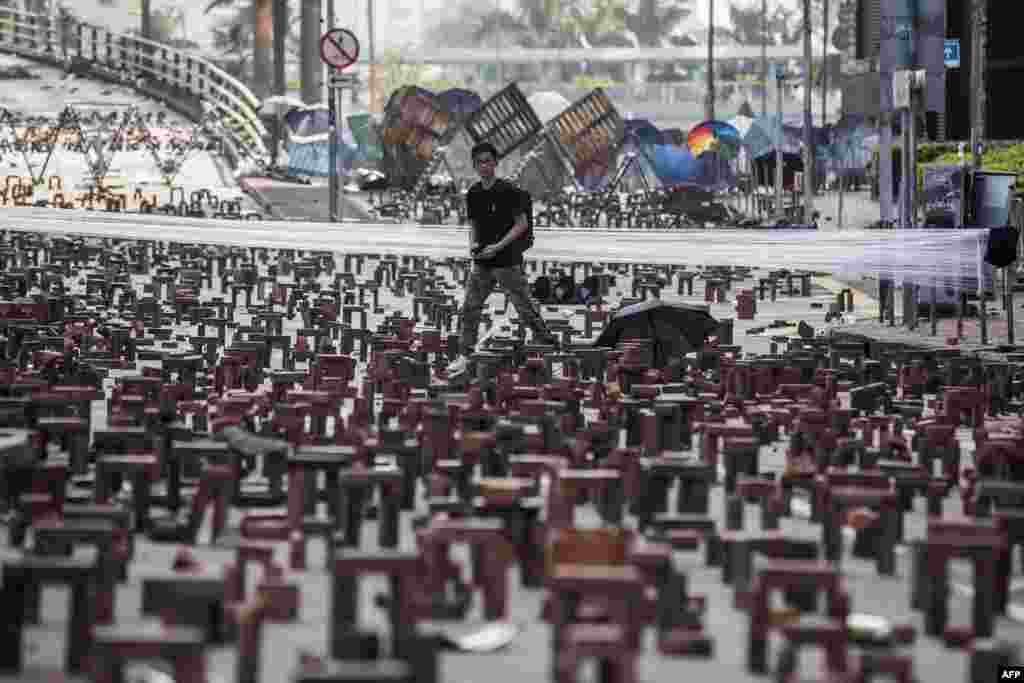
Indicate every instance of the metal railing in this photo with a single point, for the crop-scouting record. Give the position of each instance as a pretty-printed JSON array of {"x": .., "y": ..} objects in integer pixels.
[{"x": 186, "y": 83}]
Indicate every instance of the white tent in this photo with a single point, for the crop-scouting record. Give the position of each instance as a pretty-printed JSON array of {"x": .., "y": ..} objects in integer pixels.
[
  {"x": 548, "y": 104},
  {"x": 741, "y": 123}
]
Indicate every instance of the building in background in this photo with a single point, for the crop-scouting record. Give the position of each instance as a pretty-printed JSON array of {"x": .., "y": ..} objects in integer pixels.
[
  {"x": 1004, "y": 71},
  {"x": 883, "y": 36},
  {"x": 950, "y": 118}
]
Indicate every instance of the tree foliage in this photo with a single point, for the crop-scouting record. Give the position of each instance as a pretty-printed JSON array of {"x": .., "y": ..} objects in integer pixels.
[
  {"x": 653, "y": 21},
  {"x": 397, "y": 73},
  {"x": 783, "y": 23},
  {"x": 600, "y": 23}
]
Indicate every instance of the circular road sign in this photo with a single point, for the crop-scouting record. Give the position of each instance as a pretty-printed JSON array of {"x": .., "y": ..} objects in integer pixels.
[{"x": 339, "y": 48}]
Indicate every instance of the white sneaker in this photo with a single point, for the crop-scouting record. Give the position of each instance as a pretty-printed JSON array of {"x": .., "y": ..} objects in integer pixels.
[
  {"x": 486, "y": 337},
  {"x": 457, "y": 366}
]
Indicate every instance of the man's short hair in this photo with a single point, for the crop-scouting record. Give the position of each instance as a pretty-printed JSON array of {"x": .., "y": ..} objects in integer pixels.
[{"x": 483, "y": 148}]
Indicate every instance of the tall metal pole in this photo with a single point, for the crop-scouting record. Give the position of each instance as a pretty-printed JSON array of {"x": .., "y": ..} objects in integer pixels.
[
  {"x": 280, "y": 11},
  {"x": 336, "y": 94},
  {"x": 915, "y": 106},
  {"x": 979, "y": 18},
  {"x": 842, "y": 188},
  {"x": 808, "y": 122},
  {"x": 263, "y": 48},
  {"x": 326, "y": 71},
  {"x": 498, "y": 71},
  {"x": 885, "y": 179},
  {"x": 824, "y": 66},
  {"x": 332, "y": 154},
  {"x": 373, "y": 56},
  {"x": 147, "y": 19},
  {"x": 764, "y": 57},
  {"x": 709, "y": 105},
  {"x": 280, "y": 84},
  {"x": 908, "y": 172},
  {"x": 312, "y": 69},
  {"x": 778, "y": 145},
  {"x": 979, "y": 28}
]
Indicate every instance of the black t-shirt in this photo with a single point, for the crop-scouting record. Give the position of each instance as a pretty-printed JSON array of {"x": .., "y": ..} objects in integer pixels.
[{"x": 495, "y": 211}]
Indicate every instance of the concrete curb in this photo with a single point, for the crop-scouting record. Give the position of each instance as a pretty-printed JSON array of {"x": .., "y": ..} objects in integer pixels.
[
  {"x": 355, "y": 208},
  {"x": 256, "y": 196}
]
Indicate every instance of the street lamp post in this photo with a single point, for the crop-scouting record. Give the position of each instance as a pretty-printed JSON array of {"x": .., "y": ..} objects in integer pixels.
[
  {"x": 779, "y": 136},
  {"x": 280, "y": 19},
  {"x": 325, "y": 71},
  {"x": 979, "y": 12},
  {"x": 808, "y": 122},
  {"x": 764, "y": 57},
  {"x": 372, "y": 56},
  {"x": 709, "y": 107},
  {"x": 824, "y": 66},
  {"x": 497, "y": 46}
]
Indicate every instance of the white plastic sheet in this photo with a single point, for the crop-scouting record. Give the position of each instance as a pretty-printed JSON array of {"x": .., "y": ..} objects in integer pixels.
[{"x": 947, "y": 257}]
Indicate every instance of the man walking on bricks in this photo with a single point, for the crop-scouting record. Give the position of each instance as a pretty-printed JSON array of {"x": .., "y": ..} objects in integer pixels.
[{"x": 499, "y": 234}]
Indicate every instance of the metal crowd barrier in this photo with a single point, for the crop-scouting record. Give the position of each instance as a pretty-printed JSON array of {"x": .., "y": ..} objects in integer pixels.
[
  {"x": 183, "y": 82},
  {"x": 1005, "y": 284}
]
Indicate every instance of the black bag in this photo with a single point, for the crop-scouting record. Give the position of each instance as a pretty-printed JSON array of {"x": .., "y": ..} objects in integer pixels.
[
  {"x": 541, "y": 289},
  {"x": 526, "y": 201},
  {"x": 1002, "y": 246}
]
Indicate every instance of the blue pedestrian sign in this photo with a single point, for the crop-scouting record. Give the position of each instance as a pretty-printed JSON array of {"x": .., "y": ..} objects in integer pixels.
[{"x": 952, "y": 54}]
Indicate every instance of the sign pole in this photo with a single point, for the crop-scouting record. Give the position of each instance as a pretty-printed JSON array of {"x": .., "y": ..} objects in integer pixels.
[
  {"x": 979, "y": 28},
  {"x": 908, "y": 170},
  {"x": 913, "y": 133},
  {"x": 842, "y": 183},
  {"x": 332, "y": 145},
  {"x": 336, "y": 96},
  {"x": 339, "y": 49},
  {"x": 337, "y": 85},
  {"x": 778, "y": 143}
]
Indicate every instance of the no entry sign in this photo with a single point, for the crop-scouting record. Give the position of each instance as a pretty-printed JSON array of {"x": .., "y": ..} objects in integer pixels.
[{"x": 339, "y": 48}]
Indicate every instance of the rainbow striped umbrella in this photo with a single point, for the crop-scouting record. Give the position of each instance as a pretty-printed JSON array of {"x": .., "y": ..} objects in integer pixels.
[{"x": 717, "y": 136}]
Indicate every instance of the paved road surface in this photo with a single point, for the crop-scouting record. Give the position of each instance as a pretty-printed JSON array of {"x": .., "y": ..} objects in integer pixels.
[
  {"x": 310, "y": 203},
  {"x": 528, "y": 658},
  {"x": 859, "y": 210}
]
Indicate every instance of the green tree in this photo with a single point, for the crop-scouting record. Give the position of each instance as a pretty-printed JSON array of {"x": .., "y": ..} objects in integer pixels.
[
  {"x": 600, "y": 23},
  {"x": 653, "y": 21},
  {"x": 168, "y": 27},
  {"x": 397, "y": 73},
  {"x": 250, "y": 28},
  {"x": 462, "y": 30},
  {"x": 232, "y": 41},
  {"x": 783, "y": 24},
  {"x": 537, "y": 24}
]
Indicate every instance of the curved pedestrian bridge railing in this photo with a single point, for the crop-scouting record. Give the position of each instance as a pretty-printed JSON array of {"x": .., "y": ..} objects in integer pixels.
[{"x": 188, "y": 84}]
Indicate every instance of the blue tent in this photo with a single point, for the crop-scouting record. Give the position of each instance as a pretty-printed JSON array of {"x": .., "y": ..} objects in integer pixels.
[
  {"x": 673, "y": 165},
  {"x": 761, "y": 137},
  {"x": 641, "y": 131},
  {"x": 459, "y": 102},
  {"x": 314, "y": 158},
  {"x": 309, "y": 121},
  {"x": 852, "y": 148}
]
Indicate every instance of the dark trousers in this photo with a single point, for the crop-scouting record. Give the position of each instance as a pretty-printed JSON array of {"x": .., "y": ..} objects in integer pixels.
[{"x": 482, "y": 281}]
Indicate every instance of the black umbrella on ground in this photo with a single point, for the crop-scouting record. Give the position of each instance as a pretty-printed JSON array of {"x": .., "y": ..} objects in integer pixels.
[{"x": 676, "y": 329}]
